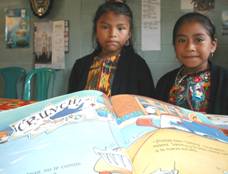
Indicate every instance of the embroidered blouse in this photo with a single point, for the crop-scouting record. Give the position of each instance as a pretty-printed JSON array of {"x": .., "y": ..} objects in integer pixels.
[
  {"x": 191, "y": 91},
  {"x": 101, "y": 74}
]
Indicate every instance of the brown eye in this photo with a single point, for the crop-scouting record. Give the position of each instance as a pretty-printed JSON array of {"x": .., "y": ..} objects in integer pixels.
[
  {"x": 180, "y": 40},
  {"x": 104, "y": 26},
  {"x": 121, "y": 28},
  {"x": 199, "y": 39}
]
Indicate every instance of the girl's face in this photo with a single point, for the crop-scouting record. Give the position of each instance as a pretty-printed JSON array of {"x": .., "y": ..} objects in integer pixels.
[
  {"x": 112, "y": 32},
  {"x": 193, "y": 46}
]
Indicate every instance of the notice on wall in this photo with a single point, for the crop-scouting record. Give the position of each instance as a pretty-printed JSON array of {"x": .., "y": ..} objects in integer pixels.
[
  {"x": 58, "y": 44},
  {"x": 50, "y": 43},
  {"x": 151, "y": 26}
]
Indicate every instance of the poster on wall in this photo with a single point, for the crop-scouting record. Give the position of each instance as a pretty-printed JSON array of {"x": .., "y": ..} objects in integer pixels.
[
  {"x": 42, "y": 42},
  {"x": 50, "y": 43},
  {"x": 17, "y": 30}
]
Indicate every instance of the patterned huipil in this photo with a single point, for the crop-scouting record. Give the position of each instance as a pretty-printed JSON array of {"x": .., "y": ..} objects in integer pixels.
[
  {"x": 191, "y": 91},
  {"x": 101, "y": 74}
]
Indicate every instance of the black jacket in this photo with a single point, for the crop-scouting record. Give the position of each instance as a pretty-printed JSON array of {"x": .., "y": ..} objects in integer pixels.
[
  {"x": 218, "y": 99},
  {"x": 132, "y": 75}
]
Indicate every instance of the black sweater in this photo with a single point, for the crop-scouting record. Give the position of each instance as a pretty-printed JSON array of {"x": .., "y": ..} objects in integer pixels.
[
  {"x": 218, "y": 99},
  {"x": 132, "y": 75}
]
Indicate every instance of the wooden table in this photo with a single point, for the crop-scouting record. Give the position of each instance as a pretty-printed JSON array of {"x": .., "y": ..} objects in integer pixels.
[{"x": 6, "y": 103}]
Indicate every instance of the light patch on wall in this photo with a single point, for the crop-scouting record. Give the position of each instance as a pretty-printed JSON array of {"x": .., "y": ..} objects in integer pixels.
[{"x": 186, "y": 5}]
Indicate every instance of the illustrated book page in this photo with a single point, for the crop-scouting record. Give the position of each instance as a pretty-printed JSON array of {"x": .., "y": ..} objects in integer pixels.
[
  {"x": 86, "y": 132},
  {"x": 61, "y": 135}
]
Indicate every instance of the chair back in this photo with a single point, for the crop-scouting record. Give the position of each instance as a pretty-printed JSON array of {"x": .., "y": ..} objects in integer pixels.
[
  {"x": 11, "y": 77},
  {"x": 38, "y": 83}
]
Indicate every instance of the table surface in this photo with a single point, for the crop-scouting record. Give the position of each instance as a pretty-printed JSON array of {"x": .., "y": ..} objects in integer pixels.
[{"x": 7, "y": 103}]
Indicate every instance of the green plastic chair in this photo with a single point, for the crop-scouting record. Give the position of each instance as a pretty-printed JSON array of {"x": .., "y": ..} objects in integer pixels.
[
  {"x": 11, "y": 79},
  {"x": 38, "y": 83}
]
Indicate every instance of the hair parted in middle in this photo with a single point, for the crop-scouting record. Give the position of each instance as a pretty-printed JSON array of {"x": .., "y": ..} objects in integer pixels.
[
  {"x": 196, "y": 17},
  {"x": 119, "y": 8}
]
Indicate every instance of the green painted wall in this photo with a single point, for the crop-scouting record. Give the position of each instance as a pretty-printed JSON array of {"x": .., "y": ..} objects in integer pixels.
[{"x": 80, "y": 15}]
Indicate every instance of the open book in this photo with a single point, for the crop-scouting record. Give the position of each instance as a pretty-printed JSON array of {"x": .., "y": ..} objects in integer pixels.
[{"x": 88, "y": 133}]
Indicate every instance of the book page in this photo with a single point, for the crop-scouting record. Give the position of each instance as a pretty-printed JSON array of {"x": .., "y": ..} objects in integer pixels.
[
  {"x": 58, "y": 135},
  {"x": 124, "y": 104},
  {"x": 180, "y": 152},
  {"x": 219, "y": 120},
  {"x": 138, "y": 115},
  {"x": 173, "y": 151},
  {"x": 81, "y": 133},
  {"x": 117, "y": 158}
]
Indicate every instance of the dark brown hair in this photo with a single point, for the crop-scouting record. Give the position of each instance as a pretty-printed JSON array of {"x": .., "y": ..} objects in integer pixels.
[
  {"x": 197, "y": 17},
  {"x": 118, "y": 8}
]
